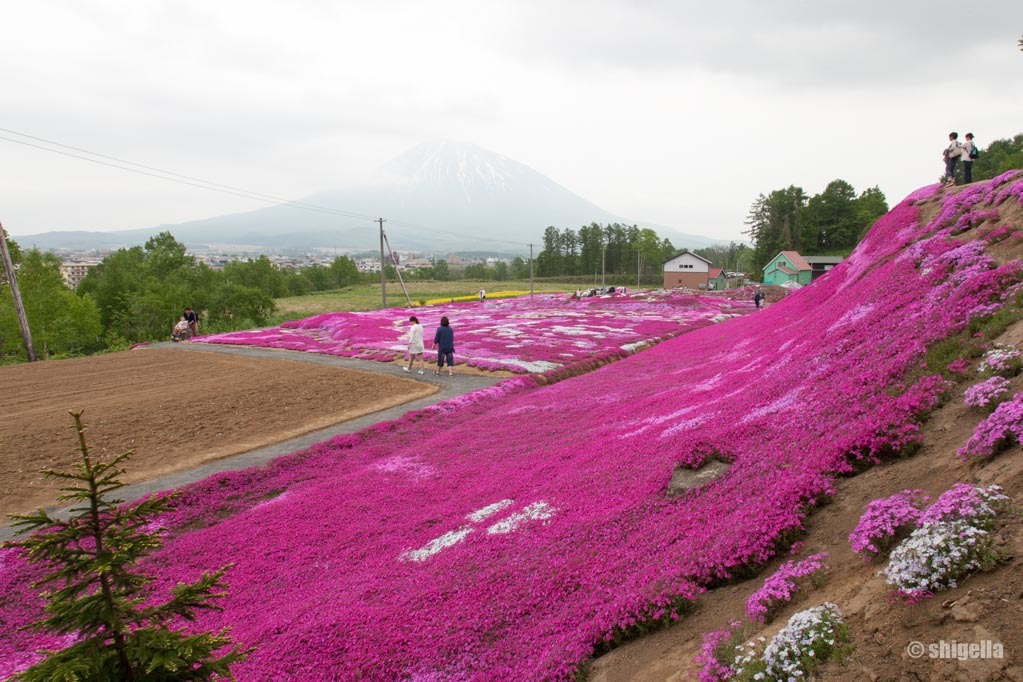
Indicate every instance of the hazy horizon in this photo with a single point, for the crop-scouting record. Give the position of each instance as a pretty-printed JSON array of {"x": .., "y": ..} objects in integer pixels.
[{"x": 674, "y": 114}]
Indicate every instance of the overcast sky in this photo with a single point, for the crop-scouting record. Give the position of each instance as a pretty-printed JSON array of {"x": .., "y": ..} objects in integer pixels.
[{"x": 673, "y": 112}]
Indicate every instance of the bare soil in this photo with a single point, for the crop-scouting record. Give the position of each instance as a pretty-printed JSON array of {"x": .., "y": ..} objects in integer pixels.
[
  {"x": 176, "y": 410},
  {"x": 985, "y": 606}
]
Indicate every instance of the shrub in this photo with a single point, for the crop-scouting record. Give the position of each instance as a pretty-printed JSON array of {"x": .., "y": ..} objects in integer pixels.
[
  {"x": 1002, "y": 360},
  {"x": 780, "y": 587},
  {"x": 116, "y": 630},
  {"x": 987, "y": 393},
  {"x": 1001, "y": 427},
  {"x": 884, "y": 520},
  {"x": 953, "y": 539},
  {"x": 809, "y": 638}
]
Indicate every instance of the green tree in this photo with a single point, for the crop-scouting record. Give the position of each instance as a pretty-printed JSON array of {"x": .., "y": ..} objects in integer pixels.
[
  {"x": 141, "y": 291},
  {"x": 95, "y": 591},
  {"x": 774, "y": 223},
  {"x": 500, "y": 271},
  {"x": 1000, "y": 156},
  {"x": 870, "y": 205},
  {"x": 114, "y": 282},
  {"x": 591, "y": 249},
  {"x": 477, "y": 271},
  {"x": 61, "y": 321},
  {"x": 345, "y": 273},
  {"x": 259, "y": 274},
  {"x": 645, "y": 241},
  {"x": 441, "y": 272},
  {"x": 549, "y": 260},
  {"x": 519, "y": 268},
  {"x": 13, "y": 250},
  {"x": 164, "y": 254},
  {"x": 830, "y": 220},
  {"x": 233, "y": 305}
]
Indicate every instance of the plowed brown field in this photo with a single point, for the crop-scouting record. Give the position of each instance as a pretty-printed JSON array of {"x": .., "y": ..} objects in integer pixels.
[{"x": 176, "y": 410}]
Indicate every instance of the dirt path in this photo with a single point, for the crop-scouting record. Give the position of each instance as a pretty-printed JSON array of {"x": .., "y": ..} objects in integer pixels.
[{"x": 176, "y": 409}]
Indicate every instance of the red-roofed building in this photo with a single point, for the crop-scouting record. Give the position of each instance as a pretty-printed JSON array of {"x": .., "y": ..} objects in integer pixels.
[{"x": 789, "y": 266}]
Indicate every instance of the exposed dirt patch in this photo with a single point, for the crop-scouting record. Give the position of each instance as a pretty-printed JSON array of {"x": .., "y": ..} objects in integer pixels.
[
  {"x": 684, "y": 479},
  {"x": 986, "y": 606},
  {"x": 176, "y": 410}
]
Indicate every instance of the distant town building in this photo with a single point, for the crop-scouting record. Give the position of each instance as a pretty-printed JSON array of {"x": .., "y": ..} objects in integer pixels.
[
  {"x": 74, "y": 273},
  {"x": 789, "y": 266},
  {"x": 686, "y": 270}
]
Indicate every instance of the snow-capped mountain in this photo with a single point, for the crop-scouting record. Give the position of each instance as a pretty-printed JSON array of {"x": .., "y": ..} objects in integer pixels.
[{"x": 435, "y": 197}]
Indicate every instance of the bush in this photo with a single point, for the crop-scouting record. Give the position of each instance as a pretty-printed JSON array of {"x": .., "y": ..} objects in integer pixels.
[{"x": 96, "y": 597}]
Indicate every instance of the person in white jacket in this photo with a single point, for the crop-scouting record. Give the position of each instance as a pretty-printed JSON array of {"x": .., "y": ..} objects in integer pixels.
[
  {"x": 951, "y": 155},
  {"x": 968, "y": 155},
  {"x": 415, "y": 345}
]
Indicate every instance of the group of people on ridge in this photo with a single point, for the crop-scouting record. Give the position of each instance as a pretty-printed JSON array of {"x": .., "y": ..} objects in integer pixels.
[
  {"x": 443, "y": 342},
  {"x": 956, "y": 150}
]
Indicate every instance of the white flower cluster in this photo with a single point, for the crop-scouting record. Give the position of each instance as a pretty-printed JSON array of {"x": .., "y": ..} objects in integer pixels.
[
  {"x": 810, "y": 638},
  {"x": 952, "y": 540},
  {"x": 1003, "y": 358},
  {"x": 806, "y": 641},
  {"x": 935, "y": 555}
]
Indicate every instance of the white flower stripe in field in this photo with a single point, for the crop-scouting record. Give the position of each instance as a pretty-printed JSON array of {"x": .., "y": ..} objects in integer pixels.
[
  {"x": 489, "y": 510},
  {"x": 537, "y": 511},
  {"x": 437, "y": 544}
]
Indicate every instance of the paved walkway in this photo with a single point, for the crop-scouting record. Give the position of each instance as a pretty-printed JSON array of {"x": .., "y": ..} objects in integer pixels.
[{"x": 449, "y": 388}]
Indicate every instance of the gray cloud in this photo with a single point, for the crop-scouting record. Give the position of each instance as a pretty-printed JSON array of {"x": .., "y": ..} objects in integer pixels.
[{"x": 791, "y": 42}]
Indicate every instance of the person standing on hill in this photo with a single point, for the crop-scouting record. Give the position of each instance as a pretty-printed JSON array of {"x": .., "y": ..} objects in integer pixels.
[
  {"x": 444, "y": 342},
  {"x": 951, "y": 156},
  {"x": 415, "y": 344},
  {"x": 483, "y": 295},
  {"x": 969, "y": 154}
]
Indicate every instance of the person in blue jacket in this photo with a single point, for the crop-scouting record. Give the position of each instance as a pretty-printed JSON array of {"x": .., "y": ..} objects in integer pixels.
[{"x": 444, "y": 342}]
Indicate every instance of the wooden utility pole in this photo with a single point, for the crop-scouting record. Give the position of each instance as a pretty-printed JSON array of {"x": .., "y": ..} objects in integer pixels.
[
  {"x": 19, "y": 309},
  {"x": 383, "y": 278},
  {"x": 530, "y": 270}
]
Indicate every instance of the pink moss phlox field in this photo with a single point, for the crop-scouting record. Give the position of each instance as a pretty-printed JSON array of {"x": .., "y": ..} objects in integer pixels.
[
  {"x": 884, "y": 519},
  {"x": 1003, "y": 425},
  {"x": 518, "y": 335},
  {"x": 779, "y": 588},
  {"x": 508, "y": 538}
]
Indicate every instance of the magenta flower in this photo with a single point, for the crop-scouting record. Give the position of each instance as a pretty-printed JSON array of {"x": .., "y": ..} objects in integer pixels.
[{"x": 509, "y": 534}]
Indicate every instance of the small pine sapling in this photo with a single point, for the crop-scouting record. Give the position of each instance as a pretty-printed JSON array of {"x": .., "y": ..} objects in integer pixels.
[{"x": 95, "y": 593}]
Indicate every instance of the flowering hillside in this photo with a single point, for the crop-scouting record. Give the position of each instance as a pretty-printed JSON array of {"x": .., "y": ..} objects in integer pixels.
[
  {"x": 519, "y": 335},
  {"x": 509, "y": 534}
]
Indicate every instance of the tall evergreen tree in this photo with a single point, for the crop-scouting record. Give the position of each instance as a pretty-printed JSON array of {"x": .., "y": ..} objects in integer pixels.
[{"x": 96, "y": 593}]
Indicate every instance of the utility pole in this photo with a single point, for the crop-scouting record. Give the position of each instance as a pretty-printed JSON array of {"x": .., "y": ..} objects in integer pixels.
[
  {"x": 603, "y": 257},
  {"x": 19, "y": 309},
  {"x": 530, "y": 270},
  {"x": 383, "y": 279},
  {"x": 639, "y": 260}
]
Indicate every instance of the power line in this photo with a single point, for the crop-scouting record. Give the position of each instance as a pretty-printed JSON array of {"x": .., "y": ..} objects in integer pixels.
[{"x": 192, "y": 181}]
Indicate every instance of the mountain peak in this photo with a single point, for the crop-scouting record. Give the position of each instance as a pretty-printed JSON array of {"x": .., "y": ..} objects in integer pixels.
[{"x": 450, "y": 164}]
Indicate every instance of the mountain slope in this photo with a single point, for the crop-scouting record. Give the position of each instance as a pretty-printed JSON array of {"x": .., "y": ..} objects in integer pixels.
[{"x": 459, "y": 197}]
